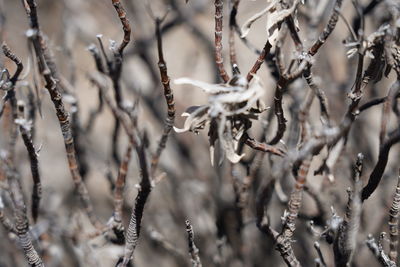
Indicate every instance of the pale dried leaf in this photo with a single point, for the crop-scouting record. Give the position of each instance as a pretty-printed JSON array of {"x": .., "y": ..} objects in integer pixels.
[
  {"x": 195, "y": 120},
  {"x": 208, "y": 87},
  {"x": 228, "y": 145},
  {"x": 246, "y": 26},
  {"x": 273, "y": 20}
]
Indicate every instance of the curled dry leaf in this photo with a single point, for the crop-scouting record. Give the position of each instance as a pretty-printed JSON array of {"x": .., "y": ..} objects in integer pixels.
[
  {"x": 196, "y": 119},
  {"x": 229, "y": 112},
  {"x": 247, "y": 25},
  {"x": 275, "y": 14}
]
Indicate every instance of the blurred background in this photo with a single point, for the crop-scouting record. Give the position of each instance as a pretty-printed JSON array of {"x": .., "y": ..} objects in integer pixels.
[{"x": 192, "y": 188}]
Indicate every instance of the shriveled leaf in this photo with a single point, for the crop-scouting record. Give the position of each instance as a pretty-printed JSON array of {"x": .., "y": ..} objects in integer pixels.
[
  {"x": 190, "y": 110},
  {"x": 207, "y": 87},
  {"x": 229, "y": 145},
  {"x": 218, "y": 103},
  {"x": 247, "y": 25},
  {"x": 195, "y": 121},
  {"x": 274, "y": 18},
  {"x": 212, "y": 136}
]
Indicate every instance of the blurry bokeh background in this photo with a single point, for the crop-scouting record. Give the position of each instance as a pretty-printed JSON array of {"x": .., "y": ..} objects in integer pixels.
[{"x": 192, "y": 189}]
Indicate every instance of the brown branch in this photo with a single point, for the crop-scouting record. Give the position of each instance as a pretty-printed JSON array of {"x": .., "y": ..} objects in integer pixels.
[
  {"x": 54, "y": 89},
  {"x": 320, "y": 258},
  {"x": 7, "y": 52},
  {"x": 9, "y": 86},
  {"x": 133, "y": 231},
  {"x": 219, "y": 5},
  {"x": 394, "y": 222},
  {"x": 193, "y": 250},
  {"x": 384, "y": 149},
  {"x": 319, "y": 93},
  {"x": 380, "y": 166},
  {"x": 278, "y": 110},
  {"x": 114, "y": 72},
  {"x": 125, "y": 25},
  {"x": 169, "y": 98},
  {"x": 262, "y": 200},
  {"x": 375, "y": 102},
  {"x": 284, "y": 239},
  {"x": 232, "y": 25},
  {"x": 24, "y": 127},
  {"x": 21, "y": 218},
  {"x": 117, "y": 225},
  {"x": 254, "y": 144},
  {"x": 378, "y": 252},
  {"x": 285, "y": 77},
  {"x": 260, "y": 60},
  {"x": 328, "y": 29},
  {"x": 345, "y": 241}
]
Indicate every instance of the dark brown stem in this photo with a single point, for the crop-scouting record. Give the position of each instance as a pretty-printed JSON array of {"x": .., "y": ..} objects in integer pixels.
[
  {"x": 24, "y": 127},
  {"x": 232, "y": 24},
  {"x": 328, "y": 29},
  {"x": 133, "y": 231},
  {"x": 125, "y": 25},
  {"x": 284, "y": 239},
  {"x": 119, "y": 195},
  {"x": 193, "y": 250},
  {"x": 380, "y": 166},
  {"x": 278, "y": 109},
  {"x": 21, "y": 220},
  {"x": 169, "y": 98},
  {"x": 10, "y": 96},
  {"x": 345, "y": 241},
  {"x": 319, "y": 93},
  {"x": 394, "y": 222},
  {"x": 63, "y": 117},
  {"x": 219, "y": 6},
  {"x": 378, "y": 252},
  {"x": 262, "y": 146},
  {"x": 259, "y": 62}
]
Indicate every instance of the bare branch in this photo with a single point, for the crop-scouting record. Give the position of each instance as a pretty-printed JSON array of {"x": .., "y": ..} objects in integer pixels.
[
  {"x": 219, "y": 6},
  {"x": 394, "y": 222},
  {"x": 193, "y": 250},
  {"x": 125, "y": 25}
]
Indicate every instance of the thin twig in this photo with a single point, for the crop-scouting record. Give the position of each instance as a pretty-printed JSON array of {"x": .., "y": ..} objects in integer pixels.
[
  {"x": 232, "y": 24},
  {"x": 251, "y": 142},
  {"x": 118, "y": 195},
  {"x": 169, "y": 98},
  {"x": 53, "y": 87},
  {"x": 125, "y": 25},
  {"x": 320, "y": 255},
  {"x": 284, "y": 240},
  {"x": 10, "y": 96},
  {"x": 24, "y": 127},
  {"x": 345, "y": 241},
  {"x": 219, "y": 6},
  {"x": 261, "y": 58},
  {"x": 394, "y": 222},
  {"x": 133, "y": 231},
  {"x": 378, "y": 252},
  {"x": 193, "y": 250},
  {"x": 328, "y": 29},
  {"x": 21, "y": 219}
]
